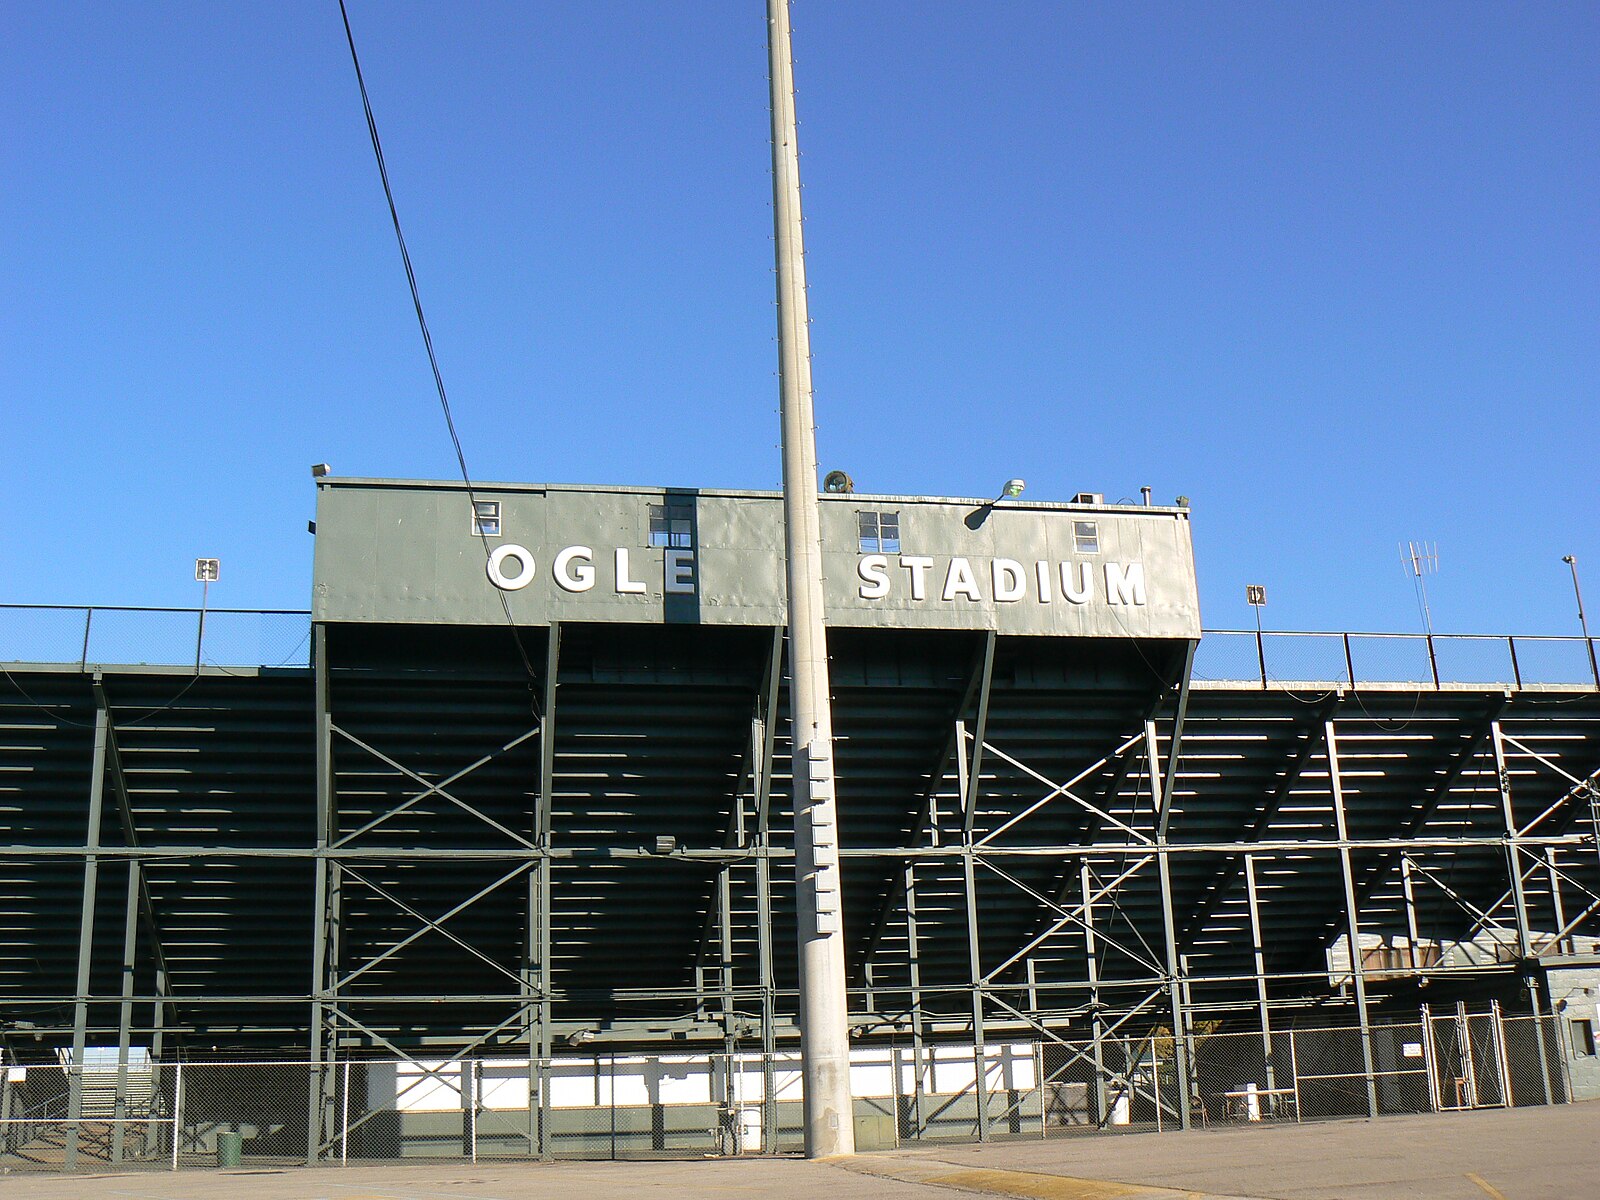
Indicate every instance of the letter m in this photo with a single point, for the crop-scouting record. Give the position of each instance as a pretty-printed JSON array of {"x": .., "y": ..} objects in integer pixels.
[{"x": 1125, "y": 584}]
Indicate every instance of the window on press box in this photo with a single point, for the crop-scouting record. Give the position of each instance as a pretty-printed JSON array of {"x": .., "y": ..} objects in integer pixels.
[
  {"x": 486, "y": 518},
  {"x": 671, "y": 527},
  {"x": 879, "y": 532}
]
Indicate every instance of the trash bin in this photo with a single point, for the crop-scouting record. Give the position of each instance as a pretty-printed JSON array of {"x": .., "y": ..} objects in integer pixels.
[{"x": 229, "y": 1147}]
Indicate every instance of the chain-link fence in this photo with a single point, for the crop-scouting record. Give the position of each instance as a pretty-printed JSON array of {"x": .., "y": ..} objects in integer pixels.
[
  {"x": 171, "y": 1116},
  {"x": 226, "y": 637}
]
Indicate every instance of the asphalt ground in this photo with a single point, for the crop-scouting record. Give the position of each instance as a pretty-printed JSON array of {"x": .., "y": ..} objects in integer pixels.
[{"x": 1523, "y": 1154}]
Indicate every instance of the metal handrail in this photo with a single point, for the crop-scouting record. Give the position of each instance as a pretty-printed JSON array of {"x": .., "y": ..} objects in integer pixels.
[
  {"x": 87, "y": 613},
  {"x": 1437, "y": 677}
]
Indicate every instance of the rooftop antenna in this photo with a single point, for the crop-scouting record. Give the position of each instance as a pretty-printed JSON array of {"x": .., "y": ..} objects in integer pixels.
[{"x": 1421, "y": 559}]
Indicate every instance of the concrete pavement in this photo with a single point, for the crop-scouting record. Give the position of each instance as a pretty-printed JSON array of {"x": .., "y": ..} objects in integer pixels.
[{"x": 1523, "y": 1154}]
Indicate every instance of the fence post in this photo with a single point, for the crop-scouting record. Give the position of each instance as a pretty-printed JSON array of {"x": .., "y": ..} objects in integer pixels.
[
  {"x": 1038, "y": 1081},
  {"x": 1349, "y": 660},
  {"x": 344, "y": 1116},
  {"x": 1155, "y": 1081},
  {"x": 177, "y": 1112},
  {"x": 1516, "y": 667},
  {"x": 1433, "y": 662},
  {"x": 1261, "y": 657},
  {"x": 1505, "y": 1060},
  {"x": 472, "y": 1110},
  {"x": 1294, "y": 1070},
  {"x": 83, "y": 659}
]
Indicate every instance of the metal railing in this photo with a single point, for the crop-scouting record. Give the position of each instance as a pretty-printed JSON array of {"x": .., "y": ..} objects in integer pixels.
[
  {"x": 170, "y": 1116},
  {"x": 85, "y": 635},
  {"x": 1427, "y": 660}
]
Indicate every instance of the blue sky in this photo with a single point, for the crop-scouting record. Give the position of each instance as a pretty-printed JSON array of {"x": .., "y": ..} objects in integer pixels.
[{"x": 1329, "y": 270}]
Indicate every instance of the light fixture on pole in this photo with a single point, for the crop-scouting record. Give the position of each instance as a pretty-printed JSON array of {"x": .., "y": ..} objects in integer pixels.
[
  {"x": 824, "y": 1032},
  {"x": 1583, "y": 623},
  {"x": 206, "y": 572},
  {"x": 1255, "y": 595},
  {"x": 1012, "y": 490}
]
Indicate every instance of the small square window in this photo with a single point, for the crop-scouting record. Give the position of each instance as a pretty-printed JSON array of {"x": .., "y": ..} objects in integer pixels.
[
  {"x": 671, "y": 527},
  {"x": 1582, "y": 1037},
  {"x": 878, "y": 532},
  {"x": 1086, "y": 537},
  {"x": 486, "y": 518}
]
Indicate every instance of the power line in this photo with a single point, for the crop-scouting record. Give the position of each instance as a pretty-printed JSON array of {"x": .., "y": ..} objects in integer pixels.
[{"x": 427, "y": 338}]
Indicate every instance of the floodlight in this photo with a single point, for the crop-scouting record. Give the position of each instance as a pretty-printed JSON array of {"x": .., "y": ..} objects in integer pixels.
[
  {"x": 318, "y": 470},
  {"x": 839, "y": 483},
  {"x": 1012, "y": 489}
]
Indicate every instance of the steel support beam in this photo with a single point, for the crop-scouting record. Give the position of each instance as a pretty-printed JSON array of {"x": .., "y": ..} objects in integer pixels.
[
  {"x": 1519, "y": 899},
  {"x": 1352, "y": 918},
  {"x": 86, "y": 914},
  {"x": 1163, "y": 785},
  {"x": 971, "y": 775},
  {"x": 325, "y": 903},
  {"x": 538, "y": 977}
]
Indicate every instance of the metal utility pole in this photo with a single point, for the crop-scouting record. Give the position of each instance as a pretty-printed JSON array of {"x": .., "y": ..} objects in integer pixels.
[
  {"x": 1583, "y": 623},
  {"x": 824, "y": 1011}
]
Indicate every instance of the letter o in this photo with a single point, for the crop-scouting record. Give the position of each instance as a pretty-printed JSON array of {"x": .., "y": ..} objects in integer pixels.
[{"x": 497, "y": 572}]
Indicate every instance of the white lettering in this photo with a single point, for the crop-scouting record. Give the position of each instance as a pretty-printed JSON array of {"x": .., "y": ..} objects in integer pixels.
[
  {"x": 520, "y": 558},
  {"x": 874, "y": 572},
  {"x": 959, "y": 580},
  {"x": 570, "y": 578},
  {"x": 1084, "y": 591},
  {"x": 680, "y": 573},
  {"x": 1010, "y": 581},
  {"x": 627, "y": 586},
  {"x": 919, "y": 568},
  {"x": 1125, "y": 584},
  {"x": 1041, "y": 571}
]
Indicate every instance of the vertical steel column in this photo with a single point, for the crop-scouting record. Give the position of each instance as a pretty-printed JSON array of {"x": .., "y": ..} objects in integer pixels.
[
  {"x": 1519, "y": 900},
  {"x": 1258, "y": 950},
  {"x": 325, "y": 900},
  {"x": 914, "y": 974},
  {"x": 725, "y": 977},
  {"x": 1162, "y": 785},
  {"x": 1408, "y": 891},
  {"x": 763, "y": 735},
  {"x": 537, "y": 976},
  {"x": 86, "y": 913},
  {"x": 130, "y": 945},
  {"x": 971, "y": 790},
  {"x": 1091, "y": 952},
  {"x": 1555, "y": 896},
  {"x": 1352, "y": 917}
]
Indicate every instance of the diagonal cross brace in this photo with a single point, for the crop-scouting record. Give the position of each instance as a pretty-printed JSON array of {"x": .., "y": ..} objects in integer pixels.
[
  {"x": 1050, "y": 904},
  {"x": 1073, "y": 917},
  {"x": 435, "y": 926},
  {"x": 439, "y": 788},
  {"x": 1064, "y": 789}
]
